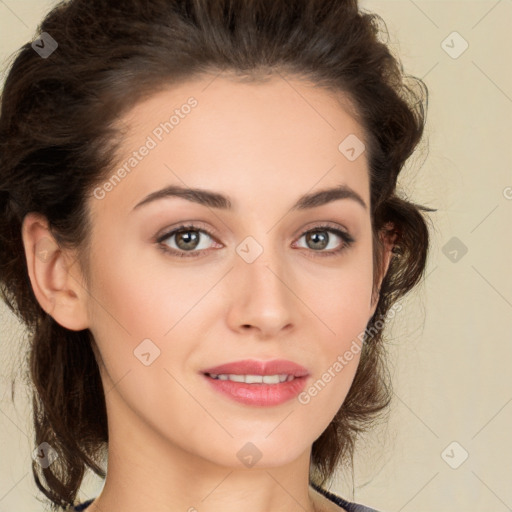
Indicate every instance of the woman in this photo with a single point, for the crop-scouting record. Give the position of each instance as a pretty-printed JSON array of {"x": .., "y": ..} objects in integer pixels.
[{"x": 200, "y": 226}]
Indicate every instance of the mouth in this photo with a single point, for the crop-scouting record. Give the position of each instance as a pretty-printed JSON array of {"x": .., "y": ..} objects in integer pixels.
[
  {"x": 258, "y": 383},
  {"x": 253, "y": 379}
]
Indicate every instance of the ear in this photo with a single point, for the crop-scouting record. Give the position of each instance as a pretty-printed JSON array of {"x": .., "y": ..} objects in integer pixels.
[
  {"x": 387, "y": 237},
  {"x": 54, "y": 275}
]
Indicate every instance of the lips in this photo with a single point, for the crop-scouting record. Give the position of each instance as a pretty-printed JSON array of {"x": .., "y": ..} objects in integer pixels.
[
  {"x": 254, "y": 367},
  {"x": 262, "y": 394}
]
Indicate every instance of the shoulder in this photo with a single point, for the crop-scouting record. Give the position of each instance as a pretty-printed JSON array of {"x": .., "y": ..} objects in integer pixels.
[{"x": 348, "y": 506}]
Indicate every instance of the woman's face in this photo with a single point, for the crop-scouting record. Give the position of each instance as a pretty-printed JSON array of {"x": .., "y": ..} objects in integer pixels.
[{"x": 247, "y": 281}]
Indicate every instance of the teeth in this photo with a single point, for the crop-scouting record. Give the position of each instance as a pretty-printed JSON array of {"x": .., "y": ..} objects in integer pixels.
[
  {"x": 254, "y": 379},
  {"x": 236, "y": 378}
]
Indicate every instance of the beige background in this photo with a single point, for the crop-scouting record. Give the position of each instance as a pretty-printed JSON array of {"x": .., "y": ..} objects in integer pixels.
[{"x": 451, "y": 348}]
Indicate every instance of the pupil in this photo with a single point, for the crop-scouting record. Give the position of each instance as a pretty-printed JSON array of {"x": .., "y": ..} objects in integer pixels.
[
  {"x": 320, "y": 237},
  {"x": 187, "y": 239}
]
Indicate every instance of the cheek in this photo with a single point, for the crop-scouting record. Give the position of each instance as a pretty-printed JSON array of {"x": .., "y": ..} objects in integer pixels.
[
  {"x": 341, "y": 295},
  {"x": 342, "y": 307},
  {"x": 137, "y": 296},
  {"x": 137, "y": 293}
]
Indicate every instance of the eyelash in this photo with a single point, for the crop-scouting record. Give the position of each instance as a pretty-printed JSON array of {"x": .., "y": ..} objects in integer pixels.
[{"x": 347, "y": 239}]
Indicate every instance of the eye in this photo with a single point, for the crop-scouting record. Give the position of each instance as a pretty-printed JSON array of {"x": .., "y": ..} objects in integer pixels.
[
  {"x": 185, "y": 239},
  {"x": 324, "y": 237}
]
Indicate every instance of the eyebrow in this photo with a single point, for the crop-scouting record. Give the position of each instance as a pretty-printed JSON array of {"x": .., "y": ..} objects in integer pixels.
[{"x": 220, "y": 201}]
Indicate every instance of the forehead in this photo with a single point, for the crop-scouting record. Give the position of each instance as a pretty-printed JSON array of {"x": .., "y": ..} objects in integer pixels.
[
  {"x": 261, "y": 106},
  {"x": 262, "y": 138}
]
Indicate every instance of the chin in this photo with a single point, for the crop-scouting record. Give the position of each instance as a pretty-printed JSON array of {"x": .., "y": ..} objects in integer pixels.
[{"x": 260, "y": 453}]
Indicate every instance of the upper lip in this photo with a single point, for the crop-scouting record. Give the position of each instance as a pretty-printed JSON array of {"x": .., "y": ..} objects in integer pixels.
[{"x": 254, "y": 367}]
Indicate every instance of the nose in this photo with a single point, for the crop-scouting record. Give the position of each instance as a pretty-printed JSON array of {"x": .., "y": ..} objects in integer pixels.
[{"x": 260, "y": 296}]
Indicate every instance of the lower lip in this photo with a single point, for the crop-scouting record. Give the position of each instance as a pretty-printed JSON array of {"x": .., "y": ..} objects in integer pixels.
[{"x": 262, "y": 395}]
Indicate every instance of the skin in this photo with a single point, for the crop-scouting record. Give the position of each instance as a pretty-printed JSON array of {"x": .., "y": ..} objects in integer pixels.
[{"x": 173, "y": 440}]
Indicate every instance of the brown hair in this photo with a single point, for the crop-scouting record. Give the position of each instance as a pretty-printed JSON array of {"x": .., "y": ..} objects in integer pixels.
[{"x": 58, "y": 125}]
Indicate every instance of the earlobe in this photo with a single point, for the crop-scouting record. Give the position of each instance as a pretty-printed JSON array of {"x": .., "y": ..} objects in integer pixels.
[{"x": 56, "y": 285}]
